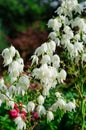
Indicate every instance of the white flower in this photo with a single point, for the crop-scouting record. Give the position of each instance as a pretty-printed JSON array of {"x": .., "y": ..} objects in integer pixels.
[
  {"x": 13, "y": 79},
  {"x": 50, "y": 116},
  {"x": 47, "y": 76},
  {"x": 15, "y": 68},
  {"x": 10, "y": 104},
  {"x": 70, "y": 106},
  {"x": 8, "y": 55},
  {"x": 58, "y": 95},
  {"x": 3, "y": 87},
  {"x": 75, "y": 49},
  {"x": 52, "y": 35},
  {"x": 51, "y": 47},
  {"x": 68, "y": 6},
  {"x": 84, "y": 57},
  {"x": 41, "y": 110},
  {"x": 36, "y": 73},
  {"x": 62, "y": 76},
  {"x": 12, "y": 89},
  {"x": 46, "y": 48},
  {"x": 20, "y": 61},
  {"x": 77, "y": 37},
  {"x": 23, "y": 84},
  {"x": 78, "y": 8},
  {"x": 61, "y": 104},
  {"x": 7, "y": 61},
  {"x": 79, "y": 22},
  {"x": 6, "y": 98},
  {"x": 56, "y": 61},
  {"x": 78, "y": 46},
  {"x": 12, "y": 51},
  {"x": 30, "y": 106},
  {"x": 1, "y": 81},
  {"x": 84, "y": 38},
  {"x": 34, "y": 59},
  {"x": 46, "y": 59},
  {"x": 70, "y": 48},
  {"x": 21, "y": 64},
  {"x": 41, "y": 50},
  {"x": 54, "y": 107},
  {"x": 5, "y": 53},
  {"x": 65, "y": 41},
  {"x": 57, "y": 41},
  {"x": 24, "y": 80},
  {"x": 64, "y": 19},
  {"x": 20, "y": 123},
  {"x": 68, "y": 31},
  {"x": 45, "y": 91},
  {"x": 44, "y": 71},
  {"x": 40, "y": 99},
  {"x": 54, "y": 24},
  {"x": 73, "y": 53},
  {"x": 51, "y": 23}
]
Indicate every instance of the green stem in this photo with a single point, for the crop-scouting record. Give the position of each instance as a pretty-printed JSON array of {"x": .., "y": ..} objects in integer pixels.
[
  {"x": 82, "y": 97},
  {"x": 82, "y": 108}
]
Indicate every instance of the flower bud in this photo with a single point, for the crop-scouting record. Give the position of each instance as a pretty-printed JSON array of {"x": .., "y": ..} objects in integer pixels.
[
  {"x": 12, "y": 51},
  {"x": 35, "y": 115},
  {"x": 41, "y": 110},
  {"x": 50, "y": 116},
  {"x": 40, "y": 99},
  {"x": 70, "y": 106},
  {"x": 30, "y": 106},
  {"x": 13, "y": 113}
]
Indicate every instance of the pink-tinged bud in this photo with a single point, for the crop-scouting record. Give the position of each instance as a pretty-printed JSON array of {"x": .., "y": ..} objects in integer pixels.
[
  {"x": 20, "y": 104},
  {"x": 23, "y": 112},
  {"x": 16, "y": 107},
  {"x": 35, "y": 115},
  {"x": 32, "y": 85},
  {"x": 22, "y": 115},
  {"x": 13, "y": 113}
]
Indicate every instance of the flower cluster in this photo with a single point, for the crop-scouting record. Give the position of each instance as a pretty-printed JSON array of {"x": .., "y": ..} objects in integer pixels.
[
  {"x": 18, "y": 116},
  {"x": 48, "y": 73},
  {"x": 14, "y": 61},
  {"x": 68, "y": 7},
  {"x": 62, "y": 105},
  {"x": 69, "y": 29}
]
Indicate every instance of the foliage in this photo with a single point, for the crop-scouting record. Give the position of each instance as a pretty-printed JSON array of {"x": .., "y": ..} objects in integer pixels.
[
  {"x": 3, "y": 42},
  {"x": 81, "y": 0},
  {"x": 23, "y": 12}
]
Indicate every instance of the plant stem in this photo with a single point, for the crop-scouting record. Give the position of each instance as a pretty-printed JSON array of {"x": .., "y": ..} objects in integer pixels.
[{"x": 82, "y": 107}]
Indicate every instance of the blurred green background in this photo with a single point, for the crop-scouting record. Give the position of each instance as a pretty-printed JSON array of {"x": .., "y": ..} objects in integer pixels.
[
  {"x": 20, "y": 19},
  {"x": 18, "y": 15}
]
